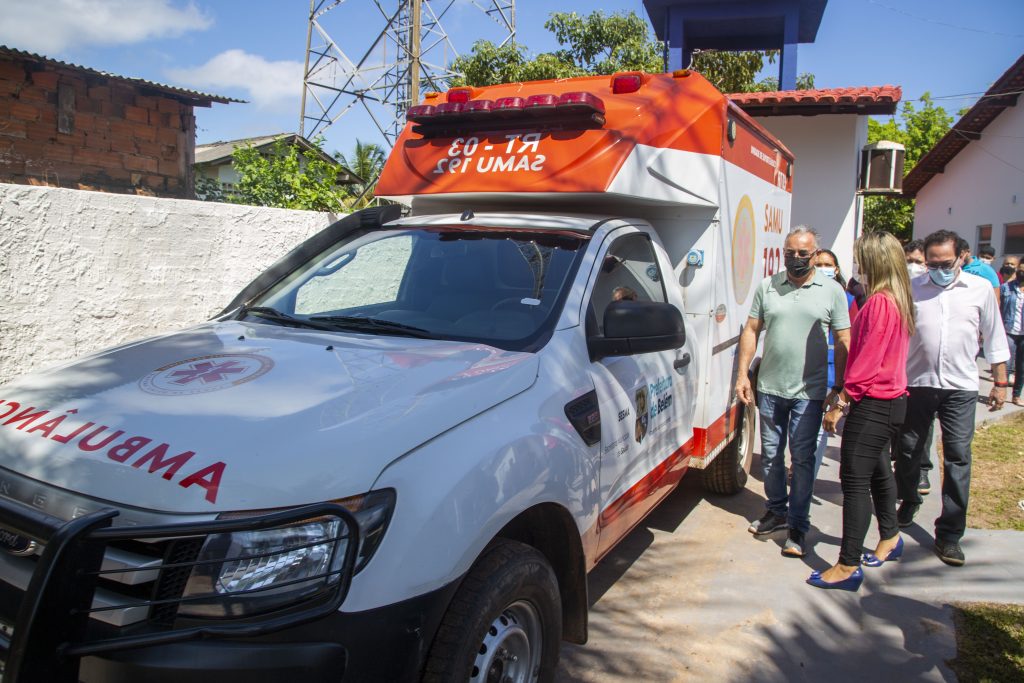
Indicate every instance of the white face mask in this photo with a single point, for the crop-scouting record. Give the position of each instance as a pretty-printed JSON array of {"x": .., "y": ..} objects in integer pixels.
[
  {"x": 916, "y": 269},
  {"x": 985, "y": 259},
  {"x": 828, "y": 272}
]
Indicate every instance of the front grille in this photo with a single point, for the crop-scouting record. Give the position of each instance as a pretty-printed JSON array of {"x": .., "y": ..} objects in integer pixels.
[{"x": 94, "y": 588}]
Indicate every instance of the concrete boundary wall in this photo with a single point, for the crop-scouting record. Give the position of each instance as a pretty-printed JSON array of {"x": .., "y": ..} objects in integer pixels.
[{"x": 82, "y": 271}]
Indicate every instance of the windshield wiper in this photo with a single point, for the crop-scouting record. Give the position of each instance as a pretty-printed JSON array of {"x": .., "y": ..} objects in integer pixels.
[
  {"x": 283, "y": 318},
  {"x": 375, "y": 324}
]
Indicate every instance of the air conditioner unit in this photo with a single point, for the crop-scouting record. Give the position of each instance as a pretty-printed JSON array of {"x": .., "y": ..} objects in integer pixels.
[{"x": 881, "y": 168}]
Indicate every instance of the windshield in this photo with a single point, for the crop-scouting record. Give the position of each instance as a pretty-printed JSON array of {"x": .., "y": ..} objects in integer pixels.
[{"x": 500, "y": 287}]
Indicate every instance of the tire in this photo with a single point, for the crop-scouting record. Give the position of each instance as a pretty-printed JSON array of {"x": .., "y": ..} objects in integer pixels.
[
  {"x": 507, "y": 606},
  {"x": 728, "y": 472}
]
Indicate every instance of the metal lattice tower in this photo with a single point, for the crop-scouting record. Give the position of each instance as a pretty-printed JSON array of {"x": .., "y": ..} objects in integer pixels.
[{"x": 409, "y": 56}]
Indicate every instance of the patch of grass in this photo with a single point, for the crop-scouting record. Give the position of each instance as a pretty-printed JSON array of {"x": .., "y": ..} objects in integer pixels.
[
  {"x": 989, "y": 643},
  {"x": 997, "y": 475}
]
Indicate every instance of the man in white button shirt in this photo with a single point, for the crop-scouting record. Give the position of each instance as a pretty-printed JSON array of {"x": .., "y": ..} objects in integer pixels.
[{"x": 953, "y": 309}]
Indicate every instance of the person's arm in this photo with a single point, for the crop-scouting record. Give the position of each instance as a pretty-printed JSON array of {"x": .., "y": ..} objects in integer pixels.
[
  {"x": 842, "y": 351},
  {"x": 997, "y": 351},
  {"x": 840, "y": 325},
  {"x": 748, "y": 346},
  {"x": 996, "y": 290}
]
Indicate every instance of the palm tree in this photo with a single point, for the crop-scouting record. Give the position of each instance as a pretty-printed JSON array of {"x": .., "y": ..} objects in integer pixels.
[{"x": 366, "y": 162}]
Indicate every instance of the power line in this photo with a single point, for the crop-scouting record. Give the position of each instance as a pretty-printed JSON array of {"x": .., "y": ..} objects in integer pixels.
[
  {"x": 986, "y": 151},
  {"x": 944, "y": 23}
]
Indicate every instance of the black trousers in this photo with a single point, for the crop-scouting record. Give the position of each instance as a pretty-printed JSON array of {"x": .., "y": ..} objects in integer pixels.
[
  {"x": 865, "y": 471},
  {"x": 955, "y": 409},
  {"x": 1017, "y": 344}
]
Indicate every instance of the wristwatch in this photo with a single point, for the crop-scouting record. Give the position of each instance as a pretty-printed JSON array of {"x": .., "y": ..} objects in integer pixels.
[{"x": 845, "y": 407}]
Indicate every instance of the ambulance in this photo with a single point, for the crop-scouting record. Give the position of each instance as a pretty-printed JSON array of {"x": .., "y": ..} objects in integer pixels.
[{"x": 397, "y": 454}]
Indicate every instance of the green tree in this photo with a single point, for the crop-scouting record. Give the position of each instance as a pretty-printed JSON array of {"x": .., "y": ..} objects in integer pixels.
[
  {"x": 287, "y": 177},
  {"x": 366, "y": 161},
  {"x": 590, "y": 45},
  {"x": 208, "y": 189},
  {"x": 920, "y": 130},
  {"x": 602, "y": 44},
  {"x": 598, "y": 44}
]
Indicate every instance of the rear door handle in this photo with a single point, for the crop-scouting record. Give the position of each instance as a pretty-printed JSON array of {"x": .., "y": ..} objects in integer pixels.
[{"x": 680, "y": 363}]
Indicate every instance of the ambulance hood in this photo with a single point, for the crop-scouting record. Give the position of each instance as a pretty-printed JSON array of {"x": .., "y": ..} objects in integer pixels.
[{"x": 242, "y": 416}]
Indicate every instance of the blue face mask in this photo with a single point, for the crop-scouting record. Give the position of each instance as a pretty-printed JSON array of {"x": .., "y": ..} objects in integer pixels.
[
  {"x": 830, "y": 273},
  {"x": 942, "y": 276}
]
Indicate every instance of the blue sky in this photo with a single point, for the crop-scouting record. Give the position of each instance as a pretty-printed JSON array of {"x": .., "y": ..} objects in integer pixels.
[{"x": 253, "y": 49}]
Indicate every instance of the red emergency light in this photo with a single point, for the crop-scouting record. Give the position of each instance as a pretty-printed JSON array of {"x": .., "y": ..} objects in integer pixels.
[
  {"x": 580, "y": 103},
  {"x": 478, "y": 109},
  {"x": 459, "y": 95},
  {"x": 509, "y": 106},
  {"x": 420, "y": 113},
  {"x": 626, "y": 83},
  {"x": 448, "y": 109},
  {"x": 541, "y": 104}
]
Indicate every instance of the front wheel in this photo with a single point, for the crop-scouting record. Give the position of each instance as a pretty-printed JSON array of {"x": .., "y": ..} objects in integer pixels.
[
  {"x": 504, "y": 624},
  {"x": 728, "y": 472}
]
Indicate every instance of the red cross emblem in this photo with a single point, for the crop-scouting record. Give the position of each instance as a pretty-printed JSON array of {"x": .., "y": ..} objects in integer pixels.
[{"x": 207, "y": 372}]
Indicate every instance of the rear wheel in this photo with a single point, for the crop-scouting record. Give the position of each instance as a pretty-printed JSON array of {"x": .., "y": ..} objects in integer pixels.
[
  {"x": 504, "y": 624},
  {"x": 728, "y": 472}
]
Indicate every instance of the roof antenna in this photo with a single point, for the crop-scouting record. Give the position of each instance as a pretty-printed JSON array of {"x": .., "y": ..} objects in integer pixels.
[{"x": 467, "y": 215}]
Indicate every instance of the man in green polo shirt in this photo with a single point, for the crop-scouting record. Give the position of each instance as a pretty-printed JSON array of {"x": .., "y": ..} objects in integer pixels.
[{"x": 796, "y": 309}]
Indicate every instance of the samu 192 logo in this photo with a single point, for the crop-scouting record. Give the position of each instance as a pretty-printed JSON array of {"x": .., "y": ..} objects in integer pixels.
[{"x": 205, "y": 373}]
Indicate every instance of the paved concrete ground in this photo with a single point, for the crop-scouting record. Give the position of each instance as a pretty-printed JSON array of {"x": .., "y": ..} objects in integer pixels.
[{"x": 691, "y": 595}]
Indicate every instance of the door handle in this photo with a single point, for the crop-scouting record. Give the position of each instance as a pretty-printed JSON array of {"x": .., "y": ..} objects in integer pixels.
[{"x": 680, "y": 363}]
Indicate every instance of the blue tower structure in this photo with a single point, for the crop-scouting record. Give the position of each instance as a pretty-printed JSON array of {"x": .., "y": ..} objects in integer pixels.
[{"x": 688, "y": 25}]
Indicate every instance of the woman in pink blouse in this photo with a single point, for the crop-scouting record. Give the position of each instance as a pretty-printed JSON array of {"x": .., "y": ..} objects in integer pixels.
[{"x": 874, "y": 398}]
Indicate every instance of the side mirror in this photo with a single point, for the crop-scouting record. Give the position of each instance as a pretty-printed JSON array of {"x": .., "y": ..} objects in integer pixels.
[{"x": 632, "y": 327}]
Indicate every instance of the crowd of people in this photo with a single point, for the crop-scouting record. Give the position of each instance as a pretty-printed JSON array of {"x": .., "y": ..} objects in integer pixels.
[{"x": 877, "y": 358}]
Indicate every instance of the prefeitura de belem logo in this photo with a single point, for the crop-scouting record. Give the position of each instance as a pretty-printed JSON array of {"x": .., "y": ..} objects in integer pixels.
[{"x": 205, "y": 373}]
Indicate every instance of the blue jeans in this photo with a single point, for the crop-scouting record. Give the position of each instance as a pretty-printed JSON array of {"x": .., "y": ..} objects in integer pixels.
[{"x": 798, "y": 420}]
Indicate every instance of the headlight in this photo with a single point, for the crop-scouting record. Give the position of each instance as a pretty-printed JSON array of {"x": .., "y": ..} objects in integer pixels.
[{"x": 250, "y": 572}]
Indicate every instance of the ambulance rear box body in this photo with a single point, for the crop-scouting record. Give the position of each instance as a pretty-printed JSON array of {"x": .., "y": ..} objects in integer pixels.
[{"x": 398, "y": 453}]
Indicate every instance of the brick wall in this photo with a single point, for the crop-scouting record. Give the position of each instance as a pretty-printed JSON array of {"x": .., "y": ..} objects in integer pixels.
[{"x": 63, "y": 128}]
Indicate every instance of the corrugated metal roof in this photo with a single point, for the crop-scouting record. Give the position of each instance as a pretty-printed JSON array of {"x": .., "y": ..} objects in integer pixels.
[
  {"x": 192, "y": 96},
  {"x": 222, "y": 150},
  {"x": 1003, "y": 93},
  {"x": 216, "y": 151},
  {"x": 877, "y": 99}
]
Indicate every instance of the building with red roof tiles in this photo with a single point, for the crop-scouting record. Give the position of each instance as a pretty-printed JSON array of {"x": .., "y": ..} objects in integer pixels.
[{"x": 826, "y": 129}]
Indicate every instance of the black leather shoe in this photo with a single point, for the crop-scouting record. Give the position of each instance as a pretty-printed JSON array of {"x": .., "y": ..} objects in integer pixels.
[
  {"x": 905, "y": 514},
  {"x": 950, "y": 552},
  {"x": 923, "y": 487}
]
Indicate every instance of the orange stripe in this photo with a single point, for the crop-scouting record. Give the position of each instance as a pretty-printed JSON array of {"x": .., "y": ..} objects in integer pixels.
[{"x": 629, "y": 509}]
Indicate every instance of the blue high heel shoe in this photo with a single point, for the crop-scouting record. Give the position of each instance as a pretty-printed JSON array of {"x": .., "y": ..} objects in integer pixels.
[
  {"x": 870, "y": 560},
  {"x": 850, "y": 583}
]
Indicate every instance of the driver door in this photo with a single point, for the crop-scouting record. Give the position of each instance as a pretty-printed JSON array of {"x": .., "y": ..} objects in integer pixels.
[{"x": 635, "y": 393}]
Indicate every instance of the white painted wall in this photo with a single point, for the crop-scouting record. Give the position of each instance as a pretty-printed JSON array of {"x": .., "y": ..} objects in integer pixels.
[
  {"x": 827, "y": 150},
  {"x": 982, "y": 185},
  {"x": 81, "y": 271}
]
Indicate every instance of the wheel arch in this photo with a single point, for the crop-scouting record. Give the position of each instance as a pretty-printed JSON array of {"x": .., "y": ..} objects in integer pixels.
[{"x": 550, "y": 529}]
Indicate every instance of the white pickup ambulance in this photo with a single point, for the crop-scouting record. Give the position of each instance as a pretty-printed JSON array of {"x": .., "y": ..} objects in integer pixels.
[{"x": 397, "y": 454}]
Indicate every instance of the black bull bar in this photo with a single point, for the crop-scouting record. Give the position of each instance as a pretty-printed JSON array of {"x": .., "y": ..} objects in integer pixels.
[{"x": 51, "y": 629}]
